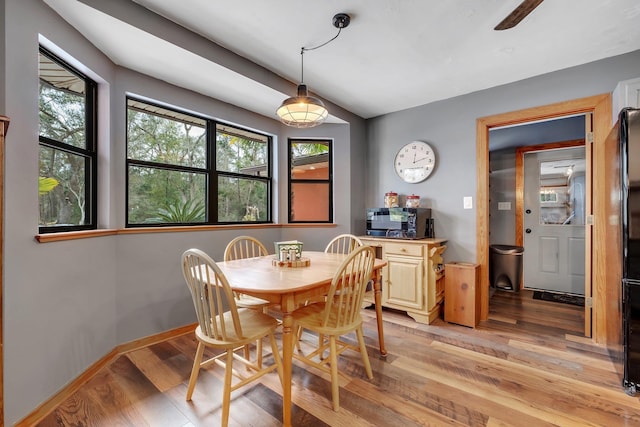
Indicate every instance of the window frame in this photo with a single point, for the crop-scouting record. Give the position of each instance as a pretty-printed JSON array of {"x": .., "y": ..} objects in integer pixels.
[
  {"x": 328, "y": 180},
  {"x": 210, "y": 171},
  {"x": 89, "y": 153}
]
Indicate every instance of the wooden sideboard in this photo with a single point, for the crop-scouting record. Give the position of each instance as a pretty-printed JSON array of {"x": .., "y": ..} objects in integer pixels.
[{"x": 413, "y": 280}]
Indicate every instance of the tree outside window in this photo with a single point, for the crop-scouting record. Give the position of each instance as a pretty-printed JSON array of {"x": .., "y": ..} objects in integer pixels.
[
  {"x": 67, "y": 160},
  {"x": 174, "y": 176}
]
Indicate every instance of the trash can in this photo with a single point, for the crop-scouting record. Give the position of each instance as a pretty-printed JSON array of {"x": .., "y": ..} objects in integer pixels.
[{"x": 505, "y": 267}]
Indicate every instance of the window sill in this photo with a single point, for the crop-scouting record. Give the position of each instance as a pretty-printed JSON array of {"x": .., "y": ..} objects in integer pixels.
[{"x": 75, "y": 235}]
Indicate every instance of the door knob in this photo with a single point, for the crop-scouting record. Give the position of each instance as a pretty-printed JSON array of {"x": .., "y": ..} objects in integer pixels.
[
  {"x": 528, "y": 231},
  {"x": 528, "y": 211}
]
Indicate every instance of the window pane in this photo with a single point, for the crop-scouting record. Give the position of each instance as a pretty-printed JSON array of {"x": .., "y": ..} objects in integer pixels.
[
  {"x": 242, "y": 200},
  {"x": 164, "y": 136},
  {"x": 309, "y": 160},
  {"x": 62, "y": 104},
  {"x": 62, "y": 191},
  {"x": 310, "y": 202},
  {"x": 158, "y": 196},
  {"x": 241, "y": 151}
]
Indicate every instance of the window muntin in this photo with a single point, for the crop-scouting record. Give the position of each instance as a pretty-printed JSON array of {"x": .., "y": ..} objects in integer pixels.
[
  {"x": 67, "y": 161},
  {"x": 310, "y": 181},
  {"x": 170, "y": 179}
]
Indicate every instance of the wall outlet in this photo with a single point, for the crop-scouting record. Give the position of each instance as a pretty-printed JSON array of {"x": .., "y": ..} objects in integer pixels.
[
  {"x": 467, "y": 202},
  {"x": 504, "y": 206}
]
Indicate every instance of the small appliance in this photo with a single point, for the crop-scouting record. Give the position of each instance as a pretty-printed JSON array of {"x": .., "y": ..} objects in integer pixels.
[{"x": 400, "y": 223}]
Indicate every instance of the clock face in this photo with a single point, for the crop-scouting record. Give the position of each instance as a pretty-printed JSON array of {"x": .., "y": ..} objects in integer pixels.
[{"x": 415, "y": 162}]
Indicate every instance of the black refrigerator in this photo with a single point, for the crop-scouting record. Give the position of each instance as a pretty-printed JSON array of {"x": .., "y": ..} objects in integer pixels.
[{"x": 629, "y": 132}]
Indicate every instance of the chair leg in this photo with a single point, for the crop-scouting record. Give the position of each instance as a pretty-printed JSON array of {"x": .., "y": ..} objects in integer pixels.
[
  {"x": 226, "y": 395},
  {"x": 276, "y": 356},
  {"x": 259, "y": 353},
  {"x": 298, "y": 337},
  {"x": 320, "y": 344},
  {"x": 335, "y": 384},
  {"x": 247, "y": 353},
  {"x": 194, "y": 371},
  {"x": 365, "y": 355}
]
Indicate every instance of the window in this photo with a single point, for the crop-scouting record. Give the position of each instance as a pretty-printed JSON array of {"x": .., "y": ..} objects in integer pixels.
[
  {"x": 184, "y": 169},
  {"x": 68, "y": 156},
  {"x": 310, "y": 181}
]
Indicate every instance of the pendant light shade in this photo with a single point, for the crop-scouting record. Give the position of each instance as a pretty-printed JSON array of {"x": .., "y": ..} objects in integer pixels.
[{"x": 302, "y": 111}]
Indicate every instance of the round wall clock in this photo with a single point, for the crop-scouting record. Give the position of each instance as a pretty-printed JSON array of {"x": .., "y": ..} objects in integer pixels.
[{"x": 415, "y": 162}]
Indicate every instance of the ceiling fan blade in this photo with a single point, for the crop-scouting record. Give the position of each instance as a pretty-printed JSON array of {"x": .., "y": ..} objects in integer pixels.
[{"x": 518, "y": 14}]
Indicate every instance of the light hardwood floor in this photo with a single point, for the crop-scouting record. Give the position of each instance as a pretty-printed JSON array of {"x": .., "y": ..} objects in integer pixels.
[{"x": 528, "y": 365}]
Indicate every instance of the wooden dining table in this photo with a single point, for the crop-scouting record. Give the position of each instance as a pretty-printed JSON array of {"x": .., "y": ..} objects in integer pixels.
[{"x": 290, "y": 287}]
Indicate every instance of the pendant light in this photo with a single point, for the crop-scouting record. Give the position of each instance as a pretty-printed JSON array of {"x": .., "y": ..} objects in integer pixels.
[{"x": 303, "y": 110}]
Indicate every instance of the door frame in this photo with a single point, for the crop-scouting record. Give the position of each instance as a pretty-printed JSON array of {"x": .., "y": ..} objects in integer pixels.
[
  {"x": 4, "y": 126},
  {"x": 600, "y": 107}
]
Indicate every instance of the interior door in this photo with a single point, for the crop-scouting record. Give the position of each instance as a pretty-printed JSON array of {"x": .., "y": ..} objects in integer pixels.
[{"x": 555, "y": 209}]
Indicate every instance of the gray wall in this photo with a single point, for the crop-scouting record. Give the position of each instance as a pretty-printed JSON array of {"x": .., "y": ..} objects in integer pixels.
[
  {"x": 450, "y": 127},
  {"x": 502, "y": 188},
  {"x": 67, "y": 304}
]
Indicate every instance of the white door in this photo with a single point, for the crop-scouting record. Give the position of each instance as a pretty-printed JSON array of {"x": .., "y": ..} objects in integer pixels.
[{"x": 554, "y": 220}]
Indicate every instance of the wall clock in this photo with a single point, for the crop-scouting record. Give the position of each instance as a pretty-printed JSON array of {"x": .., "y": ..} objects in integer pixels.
[{"x": 415, "y": 161}]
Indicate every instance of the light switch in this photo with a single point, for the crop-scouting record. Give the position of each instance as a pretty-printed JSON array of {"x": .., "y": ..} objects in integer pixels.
[
  {"x": 467, "y": 202},
  {"x": 504, "y": 206}
]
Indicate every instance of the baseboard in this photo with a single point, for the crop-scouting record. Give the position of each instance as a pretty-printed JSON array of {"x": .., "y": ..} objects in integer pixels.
[{"x": 56, "y": 400}]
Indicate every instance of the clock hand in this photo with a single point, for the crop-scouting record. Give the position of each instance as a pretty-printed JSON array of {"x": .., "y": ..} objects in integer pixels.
[{"x": 419, "y": 160}]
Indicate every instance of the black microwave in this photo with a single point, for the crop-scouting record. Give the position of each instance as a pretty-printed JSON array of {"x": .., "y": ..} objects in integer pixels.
[{"x": 407, "y": 223}]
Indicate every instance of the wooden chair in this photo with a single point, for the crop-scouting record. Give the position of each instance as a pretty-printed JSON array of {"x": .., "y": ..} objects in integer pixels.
[
  {"x": 338, "y": 315},
  {"x": 343, "y": 244},
  {"x": 221, "y": 325},
  {"x": 248, "y": 247}
]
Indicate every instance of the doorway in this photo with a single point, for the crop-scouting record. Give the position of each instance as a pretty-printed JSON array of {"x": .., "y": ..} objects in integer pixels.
[
  {"x": 600, "y": 106},
  {"x": 554, "y": 220}
]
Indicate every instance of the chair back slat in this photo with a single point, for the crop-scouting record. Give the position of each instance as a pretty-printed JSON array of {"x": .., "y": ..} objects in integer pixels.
[
  {"x": 348, "y": 286},
  {"x": 212, "y": 296},
  {"x": 244, "y": 247},
  {"x": 343, "y": 244}
]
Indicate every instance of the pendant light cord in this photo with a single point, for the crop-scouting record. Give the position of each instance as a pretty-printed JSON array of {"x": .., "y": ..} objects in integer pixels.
[{"x": 303, "y": 49}]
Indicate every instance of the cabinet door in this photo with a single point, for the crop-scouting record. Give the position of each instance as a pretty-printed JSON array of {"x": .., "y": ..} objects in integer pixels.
[{"x": 405, "y": 286}]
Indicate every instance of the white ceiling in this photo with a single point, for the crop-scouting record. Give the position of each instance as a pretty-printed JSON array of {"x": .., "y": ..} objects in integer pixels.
[{"x": 394, "y": 55}]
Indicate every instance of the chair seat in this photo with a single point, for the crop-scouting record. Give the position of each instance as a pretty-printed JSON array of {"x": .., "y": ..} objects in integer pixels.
[
  {"x": 255, "y": 325},
  {"x": 311, "y": 317},
  {"x": 247, "y": 301}
]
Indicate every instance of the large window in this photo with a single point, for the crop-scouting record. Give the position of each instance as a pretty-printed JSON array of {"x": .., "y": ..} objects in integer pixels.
[
  {"x": 67, "y": 136},
  {"x": 183, "y": 169},
  {"x": 310, "y": 181}
]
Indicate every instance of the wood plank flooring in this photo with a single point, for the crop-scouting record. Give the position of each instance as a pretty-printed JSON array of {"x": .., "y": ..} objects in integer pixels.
[{"x": 528, "y": 365}]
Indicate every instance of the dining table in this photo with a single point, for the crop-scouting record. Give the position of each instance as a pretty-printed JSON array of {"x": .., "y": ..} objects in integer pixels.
[{"x": 290, "y": 285}]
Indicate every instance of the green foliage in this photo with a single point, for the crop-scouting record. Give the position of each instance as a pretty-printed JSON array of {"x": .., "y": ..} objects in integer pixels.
[
  {"x": 306, "y": 148},
  {"x": 187, "y": 212},
  {"x": 45, "y": 185}
]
